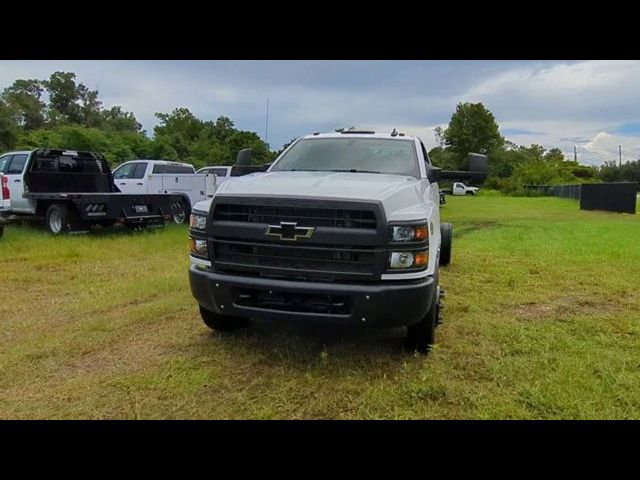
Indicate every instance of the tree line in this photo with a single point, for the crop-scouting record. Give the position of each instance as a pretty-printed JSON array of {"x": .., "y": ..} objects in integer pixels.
[
  {"x": 62, "y": 112},
  {"x": 473, "y": 128}
]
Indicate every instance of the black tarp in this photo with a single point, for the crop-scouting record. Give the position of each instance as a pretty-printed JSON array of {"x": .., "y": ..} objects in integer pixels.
[{"x": 613, "y": 197}]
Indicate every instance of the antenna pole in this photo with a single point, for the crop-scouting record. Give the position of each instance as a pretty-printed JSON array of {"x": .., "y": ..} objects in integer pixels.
[
  {"x": 266, "y": 125},
  {"x": 620, "y": 155}
]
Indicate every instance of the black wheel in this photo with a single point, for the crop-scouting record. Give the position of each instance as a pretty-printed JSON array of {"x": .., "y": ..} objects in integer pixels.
[
  {"x": 107, "y": 223},
  {"x": 59, "y": 219},
  {"x": 222, "y": 323},
  {"x": 470, "y": 193},
  {"x": 1, "y": 230},
  {"x": 181, "y": 213},
  {"x": 422, "y": 335},
  {"x": 446, "y": 239}
]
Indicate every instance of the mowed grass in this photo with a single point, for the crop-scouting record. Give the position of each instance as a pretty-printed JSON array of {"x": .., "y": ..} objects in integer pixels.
[{"x": 542, "y": 320}]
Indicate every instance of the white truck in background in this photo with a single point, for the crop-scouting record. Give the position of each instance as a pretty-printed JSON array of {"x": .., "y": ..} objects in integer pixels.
[
  {"x": 161, "y": 176},
  {"x": 461, "y": 189},
  {"x": 222, "y": 173}
]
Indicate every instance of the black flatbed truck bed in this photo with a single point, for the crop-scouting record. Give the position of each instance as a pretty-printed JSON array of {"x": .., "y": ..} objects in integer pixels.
[
  {"x": 72, "y": 190},
  {"x": 108, "y": 208}
]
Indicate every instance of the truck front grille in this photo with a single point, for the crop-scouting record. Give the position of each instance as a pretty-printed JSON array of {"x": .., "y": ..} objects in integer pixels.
[
  {"x": 300, "y": 260},
  {"x": 346, "y": 243},
  {"x": 303, "y": 216}
]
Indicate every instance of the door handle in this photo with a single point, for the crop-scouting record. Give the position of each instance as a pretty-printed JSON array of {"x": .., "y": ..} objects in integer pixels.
[
  {"x": 17, "y": 180},
  {"x": 140, "y": 183},
  {"x": 123, "y": 183}
]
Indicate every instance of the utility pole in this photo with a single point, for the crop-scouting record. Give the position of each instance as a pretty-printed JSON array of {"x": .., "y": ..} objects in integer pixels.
[
  {"x": 575, "y": 154},
  {"x": 266, "y": 124},
  {"x": 620, "y": 155}
]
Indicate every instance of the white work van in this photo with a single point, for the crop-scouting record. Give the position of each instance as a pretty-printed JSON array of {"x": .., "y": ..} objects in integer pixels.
[{"x": 161, "y": 176}]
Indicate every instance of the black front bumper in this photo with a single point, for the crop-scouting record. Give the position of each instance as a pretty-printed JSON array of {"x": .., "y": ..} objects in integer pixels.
[{"x": 388, "y": 304}]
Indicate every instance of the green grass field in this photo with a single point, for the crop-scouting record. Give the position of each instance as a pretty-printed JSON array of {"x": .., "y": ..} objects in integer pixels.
[{"x": 542, "y": 320}]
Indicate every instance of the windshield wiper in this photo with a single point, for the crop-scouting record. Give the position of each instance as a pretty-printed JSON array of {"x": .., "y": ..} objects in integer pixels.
[{"x": 354, "y": 170}]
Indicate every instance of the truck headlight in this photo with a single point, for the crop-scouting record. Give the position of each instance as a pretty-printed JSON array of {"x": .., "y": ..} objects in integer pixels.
[
  {"x": 198, "y": 247},
  {"x": 403, "y": 260},
  {"x": 409, "y": 233},
  {"x": 198, "y": 222}
]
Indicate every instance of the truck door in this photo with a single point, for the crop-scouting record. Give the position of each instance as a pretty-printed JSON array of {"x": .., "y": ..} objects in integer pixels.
[
  {"x": 130, "y": 177},
  {"x": 14, "y": 169}
]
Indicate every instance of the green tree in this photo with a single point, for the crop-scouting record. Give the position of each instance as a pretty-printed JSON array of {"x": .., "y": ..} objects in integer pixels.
[
  {"x": 23, "y": 100},
  {"x": 472, "y": 128},
  {"x": 8, "y": 128},
  {"x": 64, "y": 95},
  {"x": 119, "y": 120},
  {"x": 90, "y": 107},
  {"x": 180, "y": 129}
]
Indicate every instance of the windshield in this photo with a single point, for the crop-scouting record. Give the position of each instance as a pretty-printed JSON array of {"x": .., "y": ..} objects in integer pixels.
[{"x": 371, "y": 155}]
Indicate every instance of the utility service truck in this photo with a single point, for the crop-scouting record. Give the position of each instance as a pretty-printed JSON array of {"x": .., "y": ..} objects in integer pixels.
[
  {"x": 72, "y": 190},
  {"x": 161, "y": 176}
]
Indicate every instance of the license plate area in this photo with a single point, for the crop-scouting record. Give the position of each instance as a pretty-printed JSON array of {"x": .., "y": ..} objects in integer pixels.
[{"x": 141, "y": 209}]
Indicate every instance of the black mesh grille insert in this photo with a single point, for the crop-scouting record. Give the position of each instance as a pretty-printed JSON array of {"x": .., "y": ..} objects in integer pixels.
[
  {"x": 337, "y": 258},
  {"x": 303, "y": 216}
]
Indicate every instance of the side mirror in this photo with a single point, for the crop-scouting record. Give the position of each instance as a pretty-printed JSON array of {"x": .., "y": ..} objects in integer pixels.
[
  {"x": 433, "y": 174},
  {"x": 267, "y": 166},
  {"x": 245, "y": 157}
]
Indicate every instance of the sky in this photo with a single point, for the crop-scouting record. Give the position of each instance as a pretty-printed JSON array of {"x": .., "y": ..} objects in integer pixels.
[{"x": 591, "y": 105}]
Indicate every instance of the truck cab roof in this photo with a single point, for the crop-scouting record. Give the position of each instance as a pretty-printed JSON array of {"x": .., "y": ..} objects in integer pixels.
[
  {"x": 159, "y": 162},
  {"x": 363, "y": 133}
]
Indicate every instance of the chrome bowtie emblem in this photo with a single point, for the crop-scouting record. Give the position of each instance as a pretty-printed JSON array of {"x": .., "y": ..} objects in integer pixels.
[{"x": 289, "y": 231}]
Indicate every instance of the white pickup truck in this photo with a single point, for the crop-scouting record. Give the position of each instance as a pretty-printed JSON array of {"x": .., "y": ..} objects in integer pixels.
[
  {"x": 461, "y": 189},
  {"x": 161, "y": 176}
]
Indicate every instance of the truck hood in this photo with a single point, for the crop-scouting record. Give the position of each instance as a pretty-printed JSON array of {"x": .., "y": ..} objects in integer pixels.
[{"x": 402, "y": 197}]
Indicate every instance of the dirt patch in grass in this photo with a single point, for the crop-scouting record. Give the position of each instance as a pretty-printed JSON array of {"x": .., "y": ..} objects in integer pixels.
[
  {"x": 566, "y": 306},
  {"x": 466, "y": 228}
]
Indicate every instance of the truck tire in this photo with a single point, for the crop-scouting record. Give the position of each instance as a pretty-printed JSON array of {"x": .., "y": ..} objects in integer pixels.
[
  {"x": 470, "y": 193},
  {"x": 58, "y": 219},
  {"x": 446, "y": 239},
  {"x": 422, "y": 335},
  {"x": 1, "y": 230},
  {"x": 222, "y": 323},
  {"x": 182, "y": 215}
]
